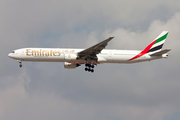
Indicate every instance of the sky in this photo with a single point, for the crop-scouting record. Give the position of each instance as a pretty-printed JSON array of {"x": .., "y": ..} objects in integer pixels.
[{"x": 43, "y": 91}]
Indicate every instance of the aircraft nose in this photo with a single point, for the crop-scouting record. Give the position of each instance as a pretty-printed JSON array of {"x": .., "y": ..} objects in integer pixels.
[{"x": 10, "y": 55}]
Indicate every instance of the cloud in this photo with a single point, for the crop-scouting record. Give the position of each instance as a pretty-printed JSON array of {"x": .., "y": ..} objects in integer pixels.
[{"x": 147, "y": 90}]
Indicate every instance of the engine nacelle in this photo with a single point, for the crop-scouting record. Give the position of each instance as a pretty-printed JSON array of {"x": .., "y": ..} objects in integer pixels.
[{"x": 70, "y": 65}]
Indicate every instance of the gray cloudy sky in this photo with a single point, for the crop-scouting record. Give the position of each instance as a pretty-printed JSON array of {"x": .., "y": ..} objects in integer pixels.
[{"x": 44, "y": 91}]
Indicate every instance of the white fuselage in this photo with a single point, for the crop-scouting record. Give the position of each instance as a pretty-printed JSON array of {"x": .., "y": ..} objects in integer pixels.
[{"x": 70, "y": 55}]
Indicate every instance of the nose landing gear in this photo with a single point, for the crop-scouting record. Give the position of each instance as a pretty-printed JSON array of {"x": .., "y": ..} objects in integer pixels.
[
  {"x": 20, "y": 63},
  {"x": 89, "y": 68}
]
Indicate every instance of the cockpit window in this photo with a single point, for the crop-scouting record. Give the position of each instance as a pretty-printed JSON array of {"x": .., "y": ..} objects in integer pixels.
[{"x": 13, "y": 52}]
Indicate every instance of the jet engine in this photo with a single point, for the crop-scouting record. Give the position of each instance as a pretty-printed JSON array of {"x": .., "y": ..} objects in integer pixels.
[{"x": 70, "y": 65}]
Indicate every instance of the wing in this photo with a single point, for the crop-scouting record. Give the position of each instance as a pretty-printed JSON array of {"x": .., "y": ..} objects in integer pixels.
[{"x": 94, "y": 50}]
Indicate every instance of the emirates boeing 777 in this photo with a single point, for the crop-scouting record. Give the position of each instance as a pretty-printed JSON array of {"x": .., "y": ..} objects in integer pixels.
[{"x": 94, "y": 55}]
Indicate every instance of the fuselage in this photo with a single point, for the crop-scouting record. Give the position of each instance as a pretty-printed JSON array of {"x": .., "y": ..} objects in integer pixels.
[
  {"x": 96, "y": 54},
  {"x": 70, "y": 55}
]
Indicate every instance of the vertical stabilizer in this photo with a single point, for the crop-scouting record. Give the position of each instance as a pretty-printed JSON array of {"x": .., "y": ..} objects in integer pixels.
[
  {"x": 154, "y": 47},
  {"x": 158, "y": 42}
]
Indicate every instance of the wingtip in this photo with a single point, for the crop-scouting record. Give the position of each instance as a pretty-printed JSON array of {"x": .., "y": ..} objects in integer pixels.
[{"x": 111, "y": 37}]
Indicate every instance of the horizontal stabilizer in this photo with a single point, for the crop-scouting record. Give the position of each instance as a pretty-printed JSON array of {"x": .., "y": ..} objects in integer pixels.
[{"x": 160, "y": 52}]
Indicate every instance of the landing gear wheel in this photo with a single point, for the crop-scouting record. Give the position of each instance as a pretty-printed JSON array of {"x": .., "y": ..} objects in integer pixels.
[
  {"x": 89, "y": 67},
  {"x": 86, "y": 65},
  {"x": 20, "y": 63}
]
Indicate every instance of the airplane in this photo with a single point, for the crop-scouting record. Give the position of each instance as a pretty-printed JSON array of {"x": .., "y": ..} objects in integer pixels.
[{"x": 94, "y": 55}]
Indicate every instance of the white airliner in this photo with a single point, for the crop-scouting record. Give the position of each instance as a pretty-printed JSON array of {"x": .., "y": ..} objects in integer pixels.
[{"x": 94, "y": 55}]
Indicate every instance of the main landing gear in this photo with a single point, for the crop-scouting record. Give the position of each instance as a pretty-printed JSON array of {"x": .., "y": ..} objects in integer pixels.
[
  {"x": 89, "y": 68},
  {"x": 20, "y": 63}
]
